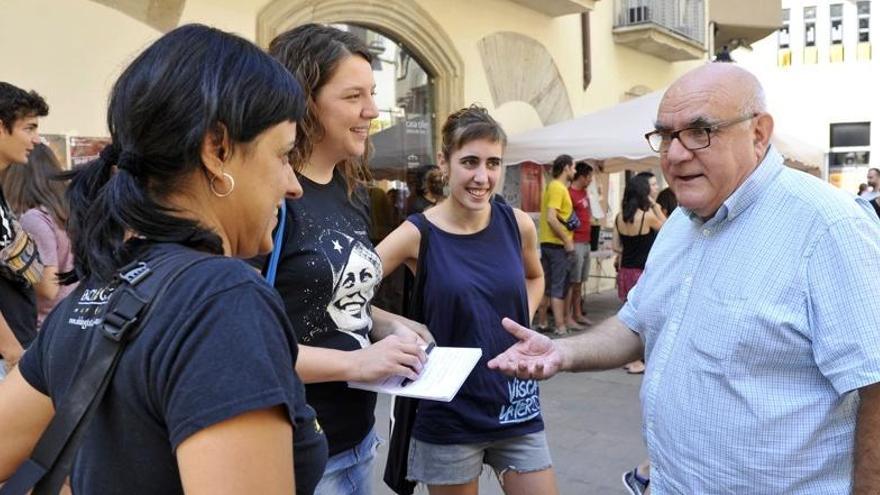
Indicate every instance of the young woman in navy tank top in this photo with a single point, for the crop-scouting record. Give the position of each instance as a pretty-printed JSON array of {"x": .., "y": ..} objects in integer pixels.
[{"x": 481, "y": 265}]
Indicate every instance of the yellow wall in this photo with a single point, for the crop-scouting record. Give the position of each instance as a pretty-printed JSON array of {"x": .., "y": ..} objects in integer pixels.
[
  {"x": 71, "y": 51},
  {"x": 615, "y": 68}
]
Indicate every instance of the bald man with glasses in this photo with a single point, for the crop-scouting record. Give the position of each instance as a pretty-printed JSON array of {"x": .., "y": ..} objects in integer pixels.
[{"x": 755, "y": 312}]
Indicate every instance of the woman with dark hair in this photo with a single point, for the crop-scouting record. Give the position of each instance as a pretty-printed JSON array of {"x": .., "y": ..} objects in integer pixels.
[
  {"x": 38, "y": 198},
  {"x": 203, "y": 399},
  {"x": 667, "y": 201},
  {"x": 482, "y": 265},
  {"x": 635, "y": 229},
  {"x": 328, "y": 270},
  {"x": 430, "y": 190}
]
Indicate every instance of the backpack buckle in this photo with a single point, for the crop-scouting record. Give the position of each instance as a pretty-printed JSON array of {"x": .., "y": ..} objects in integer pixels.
[{"x": 125, "y": 307}]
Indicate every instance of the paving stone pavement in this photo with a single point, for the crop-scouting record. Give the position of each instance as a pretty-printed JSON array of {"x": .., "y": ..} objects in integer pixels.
[{"x": 592, "y": 421}]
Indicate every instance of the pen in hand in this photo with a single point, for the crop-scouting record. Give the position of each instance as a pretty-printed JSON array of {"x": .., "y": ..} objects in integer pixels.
[{"x": 407, "y": 381}]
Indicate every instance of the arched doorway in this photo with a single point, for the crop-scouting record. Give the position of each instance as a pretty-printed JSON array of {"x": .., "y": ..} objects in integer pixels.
[{"x": 403, "y": 20}]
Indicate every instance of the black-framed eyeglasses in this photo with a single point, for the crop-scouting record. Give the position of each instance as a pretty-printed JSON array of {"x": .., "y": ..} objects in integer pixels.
[{"x": 692, "y": 138}]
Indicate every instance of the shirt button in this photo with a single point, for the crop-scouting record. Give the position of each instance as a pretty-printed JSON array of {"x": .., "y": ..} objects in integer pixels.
[{"x": 706, "y": 232}]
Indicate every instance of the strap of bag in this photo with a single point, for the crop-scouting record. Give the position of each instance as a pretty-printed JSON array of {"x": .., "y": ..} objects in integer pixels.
[
  {"x": 127, "y": 311},
  {"x": 403, "y": 409},
  {"x": 278, "y": 241}
]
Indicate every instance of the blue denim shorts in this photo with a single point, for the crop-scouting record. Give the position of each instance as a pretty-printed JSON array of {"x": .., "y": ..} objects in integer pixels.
[
  {"x": 350, "y": 471},
  {"x": 436, "y": 464}
]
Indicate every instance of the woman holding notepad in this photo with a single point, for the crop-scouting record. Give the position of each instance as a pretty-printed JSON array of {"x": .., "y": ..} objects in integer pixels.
[{"x": 480, "y": 264}]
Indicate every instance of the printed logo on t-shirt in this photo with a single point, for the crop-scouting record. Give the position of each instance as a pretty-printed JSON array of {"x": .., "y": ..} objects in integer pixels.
[
  {"x": 523, "y": 403},
  {"x": 357, "y": 271},
  {"x": 89, "y": 310}
]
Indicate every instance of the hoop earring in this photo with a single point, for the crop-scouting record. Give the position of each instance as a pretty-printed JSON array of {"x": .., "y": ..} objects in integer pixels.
[{"x": 231, "y": 185}]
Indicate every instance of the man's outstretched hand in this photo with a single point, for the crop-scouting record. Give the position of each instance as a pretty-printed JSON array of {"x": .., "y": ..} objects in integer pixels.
[{"x": 535, "y": 356}]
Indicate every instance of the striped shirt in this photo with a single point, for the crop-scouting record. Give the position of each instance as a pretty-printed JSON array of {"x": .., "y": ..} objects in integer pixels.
[{"x": 759, "y": 326}]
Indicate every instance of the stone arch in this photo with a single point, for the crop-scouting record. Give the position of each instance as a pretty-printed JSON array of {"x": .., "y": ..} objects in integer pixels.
[
  {"x": 402, "y": 20},
  {"x": 635, "y": 92},
  {"x": 504, "y": 56},
  {"x": 162, "y": 15}
]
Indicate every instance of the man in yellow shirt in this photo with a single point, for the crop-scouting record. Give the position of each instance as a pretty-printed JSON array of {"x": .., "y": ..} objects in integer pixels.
[{"x": 556, "y": 235}]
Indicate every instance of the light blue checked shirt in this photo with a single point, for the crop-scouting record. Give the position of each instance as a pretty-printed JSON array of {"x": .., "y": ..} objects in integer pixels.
[{"x": 759, "y": 325}]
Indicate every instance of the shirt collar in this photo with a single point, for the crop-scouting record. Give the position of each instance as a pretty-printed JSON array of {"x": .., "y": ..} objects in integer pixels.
[{"x": 749, "y": 191}]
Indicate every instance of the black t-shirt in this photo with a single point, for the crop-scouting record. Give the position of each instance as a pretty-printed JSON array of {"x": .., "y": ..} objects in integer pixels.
[
  {"x": 17, "y": 302},
  {"x": 327, "y": 274},
  {"x": 217, "y": 345}
]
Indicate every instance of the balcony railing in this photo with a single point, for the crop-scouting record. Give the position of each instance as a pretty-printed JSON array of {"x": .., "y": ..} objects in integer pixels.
[{"x": 684, "y": 17}]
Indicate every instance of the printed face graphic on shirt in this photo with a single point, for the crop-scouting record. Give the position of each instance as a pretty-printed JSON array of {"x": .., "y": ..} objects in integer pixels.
[{"x": 357, "y": 271}]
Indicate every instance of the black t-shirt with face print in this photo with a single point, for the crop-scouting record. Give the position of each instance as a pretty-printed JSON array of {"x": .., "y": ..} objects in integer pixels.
[{"x": 327, "y": 275}]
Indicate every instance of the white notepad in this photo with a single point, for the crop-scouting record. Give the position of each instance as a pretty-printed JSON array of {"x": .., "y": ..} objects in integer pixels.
[{"x": 444, "y": 373}]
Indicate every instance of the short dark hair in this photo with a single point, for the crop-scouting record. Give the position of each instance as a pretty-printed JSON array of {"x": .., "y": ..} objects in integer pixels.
[
  {"x": 193, "y": 83},
  {"x": 469, "y": 124},
  {"x": 16, "y": 103},
  {"x": 560, "y": 163},
  {"x": 312, "y": 52},
  {"x": 582, "y": 169},
  {"x": 875, "y": 170},
  {"x": 667, "y": 200}
]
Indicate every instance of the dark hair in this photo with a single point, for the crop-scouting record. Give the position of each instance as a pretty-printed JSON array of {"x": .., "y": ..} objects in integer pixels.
[
  {"x": 635, "y": 197},
  {"x": 16, "y": 103},
  {"x": 34, "y": 184},
  {"x": 875, "y": 170},
  {"x": 560, "y": 163},
  {"x": 193, "y": 83},
  {"x": 434, "y": 182},
  {"x": 470, "y": 124},
  {"x": 582, "y": 169},
  {"x": 646, "y": 174},
  {"x": 667, "y": 200},
  {"x": 312, "y": 52}
]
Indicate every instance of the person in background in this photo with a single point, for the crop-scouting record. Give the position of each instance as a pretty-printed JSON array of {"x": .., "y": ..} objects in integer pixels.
[
  {"x": 328, "y": 270},
  {"x": 204, "y": 398},
  {"x": 20, "y": 266},
  {"x": 430, "y": 191},
  {"x": 667, "y": 201},
  {"x": 580, "y": 268},
  {"x": 35, "y": 193},
  {"x": 557, "y": 244},
  {"x": 873, "y": 190},
  {"x": 635, "y": 229},
  {"x": 652, "y": 182},
  {"x": 482, "y": 264},
  {"x": 873, "y": 196}
]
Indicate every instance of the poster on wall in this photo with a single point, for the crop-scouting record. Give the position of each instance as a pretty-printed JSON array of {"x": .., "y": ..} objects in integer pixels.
[
  {"x": 531, "y": 186},
  {"x": 86, "y": 149},
  {"x": 58, "y": 143}
]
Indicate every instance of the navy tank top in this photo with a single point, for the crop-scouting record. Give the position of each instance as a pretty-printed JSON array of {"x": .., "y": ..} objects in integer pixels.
[{"x": 471, "y": 282}]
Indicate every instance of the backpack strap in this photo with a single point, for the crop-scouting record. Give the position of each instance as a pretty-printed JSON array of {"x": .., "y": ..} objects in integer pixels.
[
  {"x": 277, "y": 244},
  {"x": 415, "y": 311},
  {"x": 403, "y": 409},
  {"x": 137, "y": 288}
]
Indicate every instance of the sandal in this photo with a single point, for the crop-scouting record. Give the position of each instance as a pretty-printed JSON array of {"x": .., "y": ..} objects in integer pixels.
[{"x": 560, "y": 332}]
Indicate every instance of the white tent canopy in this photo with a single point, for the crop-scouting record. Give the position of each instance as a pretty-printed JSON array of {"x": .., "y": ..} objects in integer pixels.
[{"x": 616, "y": 136}]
